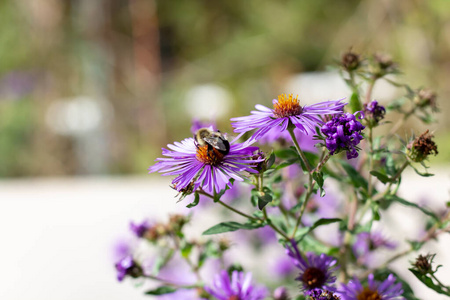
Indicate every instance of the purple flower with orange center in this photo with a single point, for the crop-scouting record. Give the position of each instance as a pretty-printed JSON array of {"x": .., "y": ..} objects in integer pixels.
[
  {"x": 286, "y": 110},
  {"x": 316, "y": 271},
  {"x": 204, "y": 166},
  {"x": 238, "y": 287},
  {"x": 375, "y": 290}
]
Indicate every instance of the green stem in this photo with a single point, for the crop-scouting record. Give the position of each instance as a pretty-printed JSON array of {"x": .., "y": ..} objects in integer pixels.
[
  {"x": 369, "y": 189},
  {"x": 440, "y": 283},
  {"x": 269, "y": 222},
  {"x": 229, "y": 207},
  {"x": 300, "y": 152}
]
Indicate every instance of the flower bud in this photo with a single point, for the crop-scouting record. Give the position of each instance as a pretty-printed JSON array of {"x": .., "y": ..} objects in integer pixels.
[
  {"x": 128, "y": 267},
  {"x": 350, "y": 61}
]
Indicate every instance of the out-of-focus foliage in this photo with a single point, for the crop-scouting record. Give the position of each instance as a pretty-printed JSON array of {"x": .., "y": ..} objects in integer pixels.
[{"x": 137, "y": 61}]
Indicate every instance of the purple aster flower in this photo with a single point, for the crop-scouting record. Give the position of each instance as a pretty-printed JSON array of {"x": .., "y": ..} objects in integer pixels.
[
  {"x": 197, "y": 166},
  {"x": 318, "y": 294},
  {"x": 343, "y": 132},
  {"x": 286, "y": 110},
  {"x": 239, "y": 287},
  {"x": 386, "y": 290},
  {"x": 139, "y": 229},
  {"x": 374, "y": 111},
  {"x": 127, "y": 266},
  {"x": 316, "y": 270}
]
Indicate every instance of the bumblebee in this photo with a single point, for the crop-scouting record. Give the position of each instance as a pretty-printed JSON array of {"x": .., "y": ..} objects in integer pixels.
[{"x": 214, "y": 139}]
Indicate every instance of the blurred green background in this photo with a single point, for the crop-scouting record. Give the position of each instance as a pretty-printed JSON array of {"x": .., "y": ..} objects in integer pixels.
[{"x": 98, "y": 87}]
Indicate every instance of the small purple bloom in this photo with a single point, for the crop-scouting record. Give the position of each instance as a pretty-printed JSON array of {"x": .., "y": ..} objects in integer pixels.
[
  {"x": 318, "y": 294},
  {"x": 240, "y": 287},
  {"x": 316, "y": 270},
  {"x": 386, "y": 290},
  {"x": 374, "y": 111},
  {"x": 286, "y": 110},
  {"x": 196, "y": 166},
  {"x": 139, "y": 229},
  {"x": 127, "y": 266},
  {"x": 343, "y": 132},
  {"x": 367, "y": 242}
]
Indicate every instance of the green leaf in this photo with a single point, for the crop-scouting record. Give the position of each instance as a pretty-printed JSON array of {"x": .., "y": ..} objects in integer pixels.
[
  {"x": 195, "y": 202},
  {"x": 286, "y": 153},
  {"x": 354, "y": 103},
  {"x": 302, "y": 232},
  {"x": 381, "y": 177},
  {"x": 429, "y": 282},
  {"x": 318, "y": 177},
  {"x": 287, "y": 163},
  {"x": 161, "y": 290},
  {"x": 232, "y": 226},
  {"x": 396, "y": 198},
  {"x": 263, "y": 200},
  {"x": 270, "y": 160},
  {"x": 356, "y": 179}
]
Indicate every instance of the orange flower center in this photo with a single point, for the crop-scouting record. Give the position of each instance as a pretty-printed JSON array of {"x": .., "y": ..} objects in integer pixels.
[
  {"x": 313, "y": 278},
  {"x": 234, "y": 298},
  {"x": 209, "y": 155},
  {"x": 287, "y": 106},
  {"x": 368, "y": 294}
]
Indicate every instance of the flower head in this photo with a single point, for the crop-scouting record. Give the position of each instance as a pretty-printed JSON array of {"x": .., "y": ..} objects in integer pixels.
[
  {"x": 127, "y": 266},
  {"x": 343, "y": 132},
  {"x": 199, "y": 166},
  {"x": 374, "y": 112},
  {"x": 238, "y": 287},
  {"x": 315, "y": 270},
  {"x": 386, "y": 290},
  {"x": 422, "y": 146},
  {"x": 318, "y": 294},
  {"x": 286, "y": 110}
]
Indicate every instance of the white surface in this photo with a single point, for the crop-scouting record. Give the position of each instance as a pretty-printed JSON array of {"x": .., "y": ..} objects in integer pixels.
[{"x": 57, "y": 234}]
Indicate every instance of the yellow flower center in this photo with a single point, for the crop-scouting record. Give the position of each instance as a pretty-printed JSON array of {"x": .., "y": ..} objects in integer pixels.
[
  {"x": 368, "y": 294},
  {"x": 209, "y": 155},
  {"x": 287, "y": 106}
]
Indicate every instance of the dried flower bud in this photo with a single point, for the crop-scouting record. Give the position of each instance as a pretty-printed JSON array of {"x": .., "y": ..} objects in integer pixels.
[
  {"x": 383, "y": 65},
  {"x": 424, "y": 263},
  {"x": 350, "y": 61},
  {"x": 281, "y": 293},
  {"x": 421, "y": 147},
  {"x": 426, "y": 98},
  {"x": 176, "y": 222},
  {"x": 224, "y": 244}
]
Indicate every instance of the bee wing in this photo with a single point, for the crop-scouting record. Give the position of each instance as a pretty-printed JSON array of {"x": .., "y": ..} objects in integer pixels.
[{"x": 216, "y": 142}]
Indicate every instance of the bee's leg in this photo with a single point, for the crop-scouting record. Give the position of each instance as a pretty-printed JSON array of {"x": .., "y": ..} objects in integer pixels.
[{"x": 210, "y": 149}]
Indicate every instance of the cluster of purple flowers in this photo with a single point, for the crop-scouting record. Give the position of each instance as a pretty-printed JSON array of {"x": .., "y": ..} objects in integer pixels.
[{"x": 343, "y": 132}]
